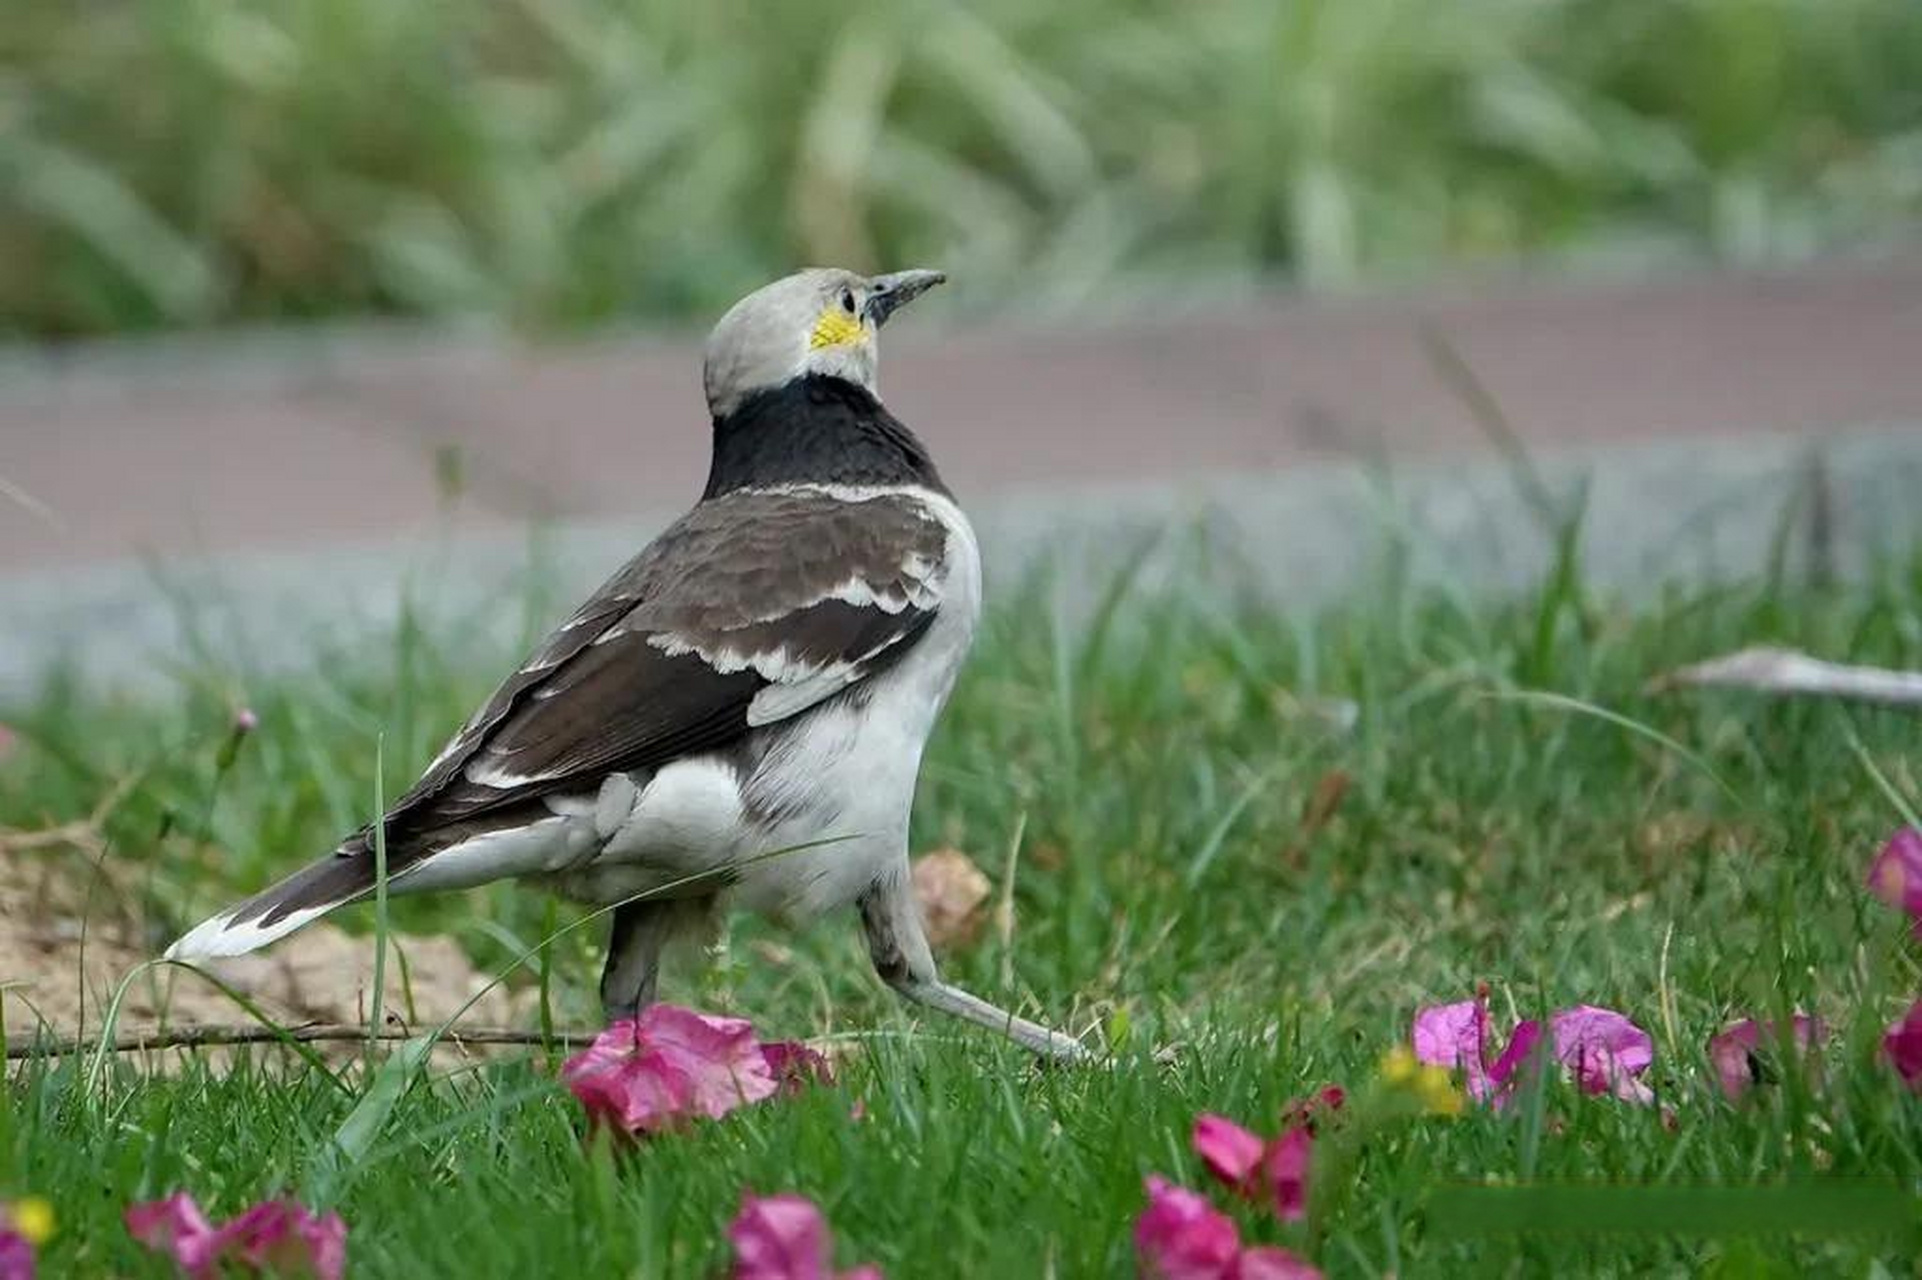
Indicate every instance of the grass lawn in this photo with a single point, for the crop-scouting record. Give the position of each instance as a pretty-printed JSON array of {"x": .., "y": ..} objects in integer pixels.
[
  {"x": 561, "y": 163},
  {"x": 1516, "y": 812}
]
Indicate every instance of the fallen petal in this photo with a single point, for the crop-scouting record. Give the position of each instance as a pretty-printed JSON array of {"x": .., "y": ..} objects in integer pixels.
[
  {"x": 1286, "y": 1166},
  {"x": 951, "y": 891},
  {"x": 719, "y": 1057},
  {"x": 1604, "y": 1051},
  {"x": 1455, "y": 1035},
  {"x": 16, "y": 1255},
  {"x": 785, "y": 1237},
  {"x": 175, "y": 1226},
  {"x": 1232, "y": 1153},
  {"x": 1180, "y": 1236},
  {"x": 1903, "y": 1045},
  {"x": 1732, "y": 1052},
  {"x": 1587, "y": 1027},
  {"x": 780, "y": 1237},
  {"x": 158, "y": 1223},
  {"x": 643, "y": 1075},
  {"x": 795, "y": 1066},
  {"x": 1267, "y": 1262},
  {"x": 623, "y": 1087},
  {"x": 1630, "y": 1089},
  {"x": 282, "y": 1238},
  {"x": 1502, "y": 1075},
  {"x": 1450, "y": 1035},
  {"x": 1896, "y": 874},
  {"x": 1307, "y": 1112},
  {"x": 1729, "y": 1053}
]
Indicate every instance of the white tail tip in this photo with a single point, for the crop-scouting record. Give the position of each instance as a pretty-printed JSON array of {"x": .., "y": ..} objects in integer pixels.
[{"x": 218, "y": 936}]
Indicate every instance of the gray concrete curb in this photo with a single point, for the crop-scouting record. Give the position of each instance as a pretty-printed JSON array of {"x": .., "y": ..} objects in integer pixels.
[{"x": 1682, "y": 512}]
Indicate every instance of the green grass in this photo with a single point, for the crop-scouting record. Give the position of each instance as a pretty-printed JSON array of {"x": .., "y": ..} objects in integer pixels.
[
  {"x": 168, "y": 163},
  {"x": 1684, "y": 859}
]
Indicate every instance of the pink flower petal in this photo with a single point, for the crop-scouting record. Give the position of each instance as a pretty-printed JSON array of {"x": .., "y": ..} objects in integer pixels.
[
  {"x": 1732, "y": 1051},
  {"x": 1456, "y": 1035},
  {"x": 280, "y": 1237},
  {"x": 1604, "y": 1051},
  {"x": 1896, "y": 874},
  {"x": 609, "y": 1051},
  {"x": 16, "y": 1254},
  {"x": 1307, "y": 1112},
  {"x": 1586, "y": 1029},
  {"x": 1266, "y": 1262},
  {"x": 1504, "y": 1074},
  {"x": 779, "y": 1238},
  {"x": 1903, "y": 1045},
  {"x": 1521, "y": 1043},
  {"x": 176, "y": 1226},
  {"x": 619, "y": 1084},
  {"x": 784, "y": 1237},
  {"x": 1286, "y": 1166},
  {"x": 158, "y": 1223},
  {"x": 1180, "y": 1236},
  {"x": 795, "y": 1066},
  {"x": 719, "y": 1057},
  {"x": 642, "y": 1075},
  {"x": 277, "y": 1236},
  {"x": 1630, "y": 1089},
  {"x": 1729, "y": 1053},
  {"x": 1231, "y": 1153},
  {"x": 1450, "y": 1035}
]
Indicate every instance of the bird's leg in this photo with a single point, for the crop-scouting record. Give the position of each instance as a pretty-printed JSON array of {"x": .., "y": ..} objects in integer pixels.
[
  {"x": 900, "y": 952},
  {"x": 633, "y": 958}
]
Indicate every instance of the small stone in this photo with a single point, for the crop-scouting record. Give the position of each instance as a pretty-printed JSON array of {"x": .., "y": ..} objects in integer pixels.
[{"x": 951, "y": 891}]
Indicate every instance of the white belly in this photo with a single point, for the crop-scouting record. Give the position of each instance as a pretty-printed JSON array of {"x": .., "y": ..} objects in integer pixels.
[{"x": 822, "y": 810}]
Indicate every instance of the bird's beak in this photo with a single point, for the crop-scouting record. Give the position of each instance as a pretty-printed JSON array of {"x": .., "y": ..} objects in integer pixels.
[{"x": 889, "y": 292}]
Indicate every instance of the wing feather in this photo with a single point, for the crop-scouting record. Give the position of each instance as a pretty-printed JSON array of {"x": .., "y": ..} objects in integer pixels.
[{"x": 749, "y": 610}]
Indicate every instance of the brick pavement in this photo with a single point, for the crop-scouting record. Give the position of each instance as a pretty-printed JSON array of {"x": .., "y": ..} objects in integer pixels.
[{"x": 299, "y": 440}]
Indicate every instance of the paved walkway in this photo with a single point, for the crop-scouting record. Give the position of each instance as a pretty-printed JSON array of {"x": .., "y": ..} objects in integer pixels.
[{"x": 298, "y": 441}]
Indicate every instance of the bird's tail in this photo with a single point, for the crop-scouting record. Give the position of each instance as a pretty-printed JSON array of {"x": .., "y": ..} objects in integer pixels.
[{"x": 273, "y": 913}]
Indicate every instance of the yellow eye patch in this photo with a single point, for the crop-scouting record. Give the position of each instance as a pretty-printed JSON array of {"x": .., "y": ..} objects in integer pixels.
[{"x": 836, "y": 328}]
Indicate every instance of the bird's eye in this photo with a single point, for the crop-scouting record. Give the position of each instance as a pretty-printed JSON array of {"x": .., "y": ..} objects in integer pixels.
[{"x": 847, "y": 301}]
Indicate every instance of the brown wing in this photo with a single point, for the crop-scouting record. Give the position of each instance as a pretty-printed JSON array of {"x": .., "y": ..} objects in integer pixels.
[{"x": 793, "y": 592}]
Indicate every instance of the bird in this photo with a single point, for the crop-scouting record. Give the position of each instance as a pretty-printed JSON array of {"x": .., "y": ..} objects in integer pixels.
[{"x": 734, "y": 720}]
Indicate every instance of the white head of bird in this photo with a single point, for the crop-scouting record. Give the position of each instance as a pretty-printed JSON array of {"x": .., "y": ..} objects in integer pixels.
[{"x": 819, "y": 321}]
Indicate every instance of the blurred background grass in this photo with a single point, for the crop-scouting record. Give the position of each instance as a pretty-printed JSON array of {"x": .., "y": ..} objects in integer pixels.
[{"x": 559, "y": 163}]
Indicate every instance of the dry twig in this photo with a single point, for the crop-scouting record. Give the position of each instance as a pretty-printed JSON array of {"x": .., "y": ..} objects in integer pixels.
[
  {"x": 1787, "y": 671},
  {"x": 207, "y": 1035}
]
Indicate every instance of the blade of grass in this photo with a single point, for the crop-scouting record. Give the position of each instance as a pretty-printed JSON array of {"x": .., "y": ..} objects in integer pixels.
[
  {"x": 1563, "y": 702},
  {"x": 375, "y": 1008},
  {"x": 336, "y": 1164},
  {"x": 104, "y": 1049}
]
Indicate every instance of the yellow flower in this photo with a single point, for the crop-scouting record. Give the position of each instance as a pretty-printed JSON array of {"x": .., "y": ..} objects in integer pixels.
[
  {"x": 1398, "y": 1065},
  {"x": 1437, "y": 1092},
  {"x": 33, "y": 1219},
  {"x": 1432, "y": 1086}
]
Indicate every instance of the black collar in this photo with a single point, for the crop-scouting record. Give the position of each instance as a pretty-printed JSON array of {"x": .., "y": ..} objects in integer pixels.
[{"x": 816, "y": 430}]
